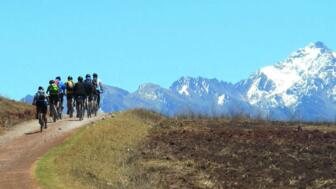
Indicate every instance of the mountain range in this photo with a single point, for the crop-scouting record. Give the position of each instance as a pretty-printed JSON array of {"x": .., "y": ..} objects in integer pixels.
[{"x": 301, "y": 87}]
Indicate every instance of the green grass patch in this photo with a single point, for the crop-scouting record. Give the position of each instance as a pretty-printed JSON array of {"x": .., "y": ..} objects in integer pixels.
[
  {"x": 47, "y": 172},
  {"x": 98, "y": 155}
]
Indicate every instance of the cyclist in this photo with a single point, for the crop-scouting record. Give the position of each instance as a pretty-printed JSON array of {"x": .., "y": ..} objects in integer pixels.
[
  {"x": 69, "y": 86},
  {"x": 41, "y": 103},
  {"x": 79, "y": 93},
  {"x": 98, "y": 85},
  {"x": 89, "y": 92},
  {"x": 61, "y": 87},
  {"x": 53, "y": 92}
]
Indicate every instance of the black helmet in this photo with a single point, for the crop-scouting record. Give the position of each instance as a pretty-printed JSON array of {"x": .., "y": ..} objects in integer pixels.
[
  {"x": 58, "y": 78},
  {"x": 69, "y": 78},
  {"x": 80, "y": 78},
  {"x": 88, "y": 76},
  {"x": 40, "y": 88},
  {"x": 51, "y": 82},
  {"x": 95, "y": 75}
]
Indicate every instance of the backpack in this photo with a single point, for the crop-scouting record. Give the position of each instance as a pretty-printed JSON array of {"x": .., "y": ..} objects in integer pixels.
[
  {"x": 54, "y": 89},
  {"x": 40, "y": 96},
  {"x": 70, "y": 85}
]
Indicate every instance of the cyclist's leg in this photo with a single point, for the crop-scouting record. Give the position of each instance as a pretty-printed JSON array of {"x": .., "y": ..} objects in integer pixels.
[
  {"x": 70, "y": 107},
  {"x": 60, "y": 108},
  {"x": 61, "y": 98},
  {"x": 68, "y": 104},
  {"x": 38, "y": 112},
  {"x": 80, "y": 104},
  {"x": 78, "y": 98},
  {"x": 90, "y": 105},
  {"x": 56, "y": 105},
  {"x": 44, "y": 115},
  {"x": 96, "y": 102}
]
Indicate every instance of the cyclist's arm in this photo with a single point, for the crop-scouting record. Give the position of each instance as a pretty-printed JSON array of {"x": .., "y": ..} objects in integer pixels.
[{"x": 48, "y": 90}]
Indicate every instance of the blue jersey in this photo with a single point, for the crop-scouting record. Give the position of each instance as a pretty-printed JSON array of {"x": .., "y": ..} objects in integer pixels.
[{"x": 61, "y": 87}]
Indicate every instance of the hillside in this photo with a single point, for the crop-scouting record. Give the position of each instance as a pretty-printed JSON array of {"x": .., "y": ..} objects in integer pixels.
[
  {"x": 144, "y": 150},
  {"x": 12, "y": 112}
]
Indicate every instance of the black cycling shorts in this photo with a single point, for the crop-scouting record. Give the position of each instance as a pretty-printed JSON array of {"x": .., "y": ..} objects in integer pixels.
[
  {"x": 70, "y": 96},
  {"x": 53, "y": 99}
]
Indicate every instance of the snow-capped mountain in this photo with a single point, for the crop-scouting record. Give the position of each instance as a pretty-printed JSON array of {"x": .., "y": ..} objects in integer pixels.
[
  {"x": 300, "y": 87},
  {"x": 210, "y": 96}
]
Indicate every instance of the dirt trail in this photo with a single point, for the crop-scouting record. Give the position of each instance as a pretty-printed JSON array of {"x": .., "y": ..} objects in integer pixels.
[{"x": 24, "y": 144}]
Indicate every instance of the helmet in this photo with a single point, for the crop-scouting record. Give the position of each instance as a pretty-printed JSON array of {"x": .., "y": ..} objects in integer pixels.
[
  {"x": 80, "y": 78},
  {"x": 95, "y": 75},
  {"x": 69, "y": 78},
  {"x": 40, "y": 88},
  {"x": 58, "y": 77},
  {"x": 88, "y": 76},
  {"x": 51, "y": 82}
]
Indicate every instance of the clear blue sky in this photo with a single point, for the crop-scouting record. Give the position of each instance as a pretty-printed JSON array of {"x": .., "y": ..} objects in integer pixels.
[{"x": 132, "y": 42}]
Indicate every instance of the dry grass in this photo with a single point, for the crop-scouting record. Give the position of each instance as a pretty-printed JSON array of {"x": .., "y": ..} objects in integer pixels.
[{"x": 12, "y": 112}]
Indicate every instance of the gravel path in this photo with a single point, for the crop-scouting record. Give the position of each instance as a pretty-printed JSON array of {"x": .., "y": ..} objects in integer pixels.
[{"x": 21, "y": 146}]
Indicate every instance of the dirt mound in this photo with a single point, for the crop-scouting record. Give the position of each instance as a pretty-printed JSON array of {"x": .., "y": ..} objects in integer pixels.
[{"x": 12, "y": 112}]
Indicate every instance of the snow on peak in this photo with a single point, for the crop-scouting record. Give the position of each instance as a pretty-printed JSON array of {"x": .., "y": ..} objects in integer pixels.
[
  {"x": 193, "y": 86},
  {"x": 221, "y": 100},
  {"x": 184, "y": 90},
  {"x": 276, "y": 83}
]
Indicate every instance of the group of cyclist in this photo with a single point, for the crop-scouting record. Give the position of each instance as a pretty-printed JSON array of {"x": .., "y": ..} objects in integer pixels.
[{"x": 83, "y": 95}]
